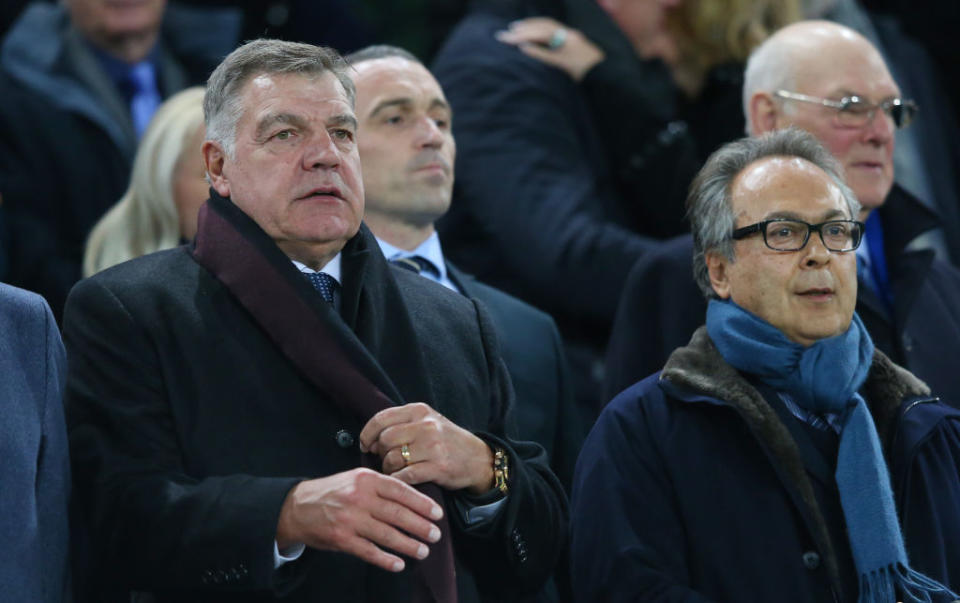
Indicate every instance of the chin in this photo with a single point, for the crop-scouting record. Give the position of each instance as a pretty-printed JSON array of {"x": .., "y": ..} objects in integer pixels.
[{"x": 872, "y": 195}]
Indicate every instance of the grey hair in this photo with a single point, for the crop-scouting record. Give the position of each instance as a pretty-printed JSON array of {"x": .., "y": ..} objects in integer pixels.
[
  {"x": 709, "y": 204},
  {"x": 222, "y": 106},
  {"x": 380, "y": 51},
  {"x": 769, "y": 68}
]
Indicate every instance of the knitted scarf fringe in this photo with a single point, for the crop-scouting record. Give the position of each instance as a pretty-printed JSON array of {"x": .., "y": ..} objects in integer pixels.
[{"x": 885, "y": 584}]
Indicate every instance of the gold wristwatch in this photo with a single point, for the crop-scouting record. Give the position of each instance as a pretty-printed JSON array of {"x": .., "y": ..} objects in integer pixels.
[{"x": 501, "y": 470}]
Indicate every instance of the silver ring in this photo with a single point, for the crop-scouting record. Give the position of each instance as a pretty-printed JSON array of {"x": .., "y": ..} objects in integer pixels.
[
  {"x": 405, "y": 453},
  {"x": 557, "y": 39}
]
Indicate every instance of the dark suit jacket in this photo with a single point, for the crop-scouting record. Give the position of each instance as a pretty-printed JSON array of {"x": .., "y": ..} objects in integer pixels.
[
  {"x": 35, "y": 469},
  {"x": 532, "y": 168},
  {"x": 190, "y": 423},
  {"x": 662, "y": 307},
  {"x": 532, "y": 351}
]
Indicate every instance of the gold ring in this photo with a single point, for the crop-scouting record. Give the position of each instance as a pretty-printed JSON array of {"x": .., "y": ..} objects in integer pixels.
[{"x": 405, "y": 453}]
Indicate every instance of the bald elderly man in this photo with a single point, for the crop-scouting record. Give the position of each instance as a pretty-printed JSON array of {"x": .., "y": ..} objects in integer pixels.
[{"x": 830, "y": 81}]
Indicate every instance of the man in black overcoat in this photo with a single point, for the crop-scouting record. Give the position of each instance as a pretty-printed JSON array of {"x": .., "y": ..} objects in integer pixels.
[{"x": 272, "y": 413}]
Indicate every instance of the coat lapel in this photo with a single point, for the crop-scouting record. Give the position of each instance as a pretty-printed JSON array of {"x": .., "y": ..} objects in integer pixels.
[
  {"x": 699, "y": 369},
  {"x": 344, "y": 364},
  {"x": 697, "y": 372},
  {"x": 306, "y": 329},
  {"x": 375, "y": 312}
]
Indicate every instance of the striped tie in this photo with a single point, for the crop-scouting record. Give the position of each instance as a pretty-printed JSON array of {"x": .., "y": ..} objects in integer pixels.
[{"x": 418, "y": 264}]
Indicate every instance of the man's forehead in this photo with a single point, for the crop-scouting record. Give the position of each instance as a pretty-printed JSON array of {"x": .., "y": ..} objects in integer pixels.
[
  {"x": 784, "y": 184},
  {"x": 839, "y": 67},
  {"x": 267, "y": 94},
  {"x": 378, "y": 79},
  {"x": 295, "y": 83}
]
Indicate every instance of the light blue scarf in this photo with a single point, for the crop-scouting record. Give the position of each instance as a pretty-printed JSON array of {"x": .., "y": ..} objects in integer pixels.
[{"x": 825, "y": 377}]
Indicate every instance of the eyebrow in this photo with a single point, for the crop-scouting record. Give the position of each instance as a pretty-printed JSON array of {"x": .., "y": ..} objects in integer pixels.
[
  {"x": 789, "y": 215},
  {"x": 343, "y": 119},
  {"x": 408, "y": 102},
  {"x": 271, "y": 119}
]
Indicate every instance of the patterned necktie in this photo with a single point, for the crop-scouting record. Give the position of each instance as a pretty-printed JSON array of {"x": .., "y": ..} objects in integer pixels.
[
  {"x": 418, "y": 264},
  {"x": 324, "y": 283}
]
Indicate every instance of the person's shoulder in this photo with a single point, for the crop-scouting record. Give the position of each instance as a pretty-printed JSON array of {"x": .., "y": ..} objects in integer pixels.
[
  {"x": 477, "y": 28},
  {"x": 162, "y": 270},
  {"x": 502, "y": 302},
  {"x": 635, "y": 410},
  {"x": 472, "y": 45},
  {"x": 420, "y": 291},
  {"x": 19, "y": 305},
  {"x": 941, "y": 269},
  {"x": 15, "y": 296},
  {"x": 672, "y": 253},
  {"x": 629, "y": 402}
]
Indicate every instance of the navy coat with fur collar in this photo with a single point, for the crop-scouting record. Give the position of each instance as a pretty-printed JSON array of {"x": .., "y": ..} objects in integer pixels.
[{"x": 691, "y": 488}]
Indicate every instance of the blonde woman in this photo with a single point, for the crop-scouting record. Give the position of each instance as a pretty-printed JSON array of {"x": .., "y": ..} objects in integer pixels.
[
  {"x": 167, "y": 188},
  {"x": 710, "y": 34}
]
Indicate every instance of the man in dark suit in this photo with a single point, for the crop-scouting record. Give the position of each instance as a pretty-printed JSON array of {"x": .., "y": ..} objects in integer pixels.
[
  {"x": 81, "y": 80},
  {"x": 35, "y": 473},
  {"x": 808, "y": 75},
  {"x": 408, "y": 151},
  {"x": 209, "y": 383},
  {"x": 558, "y": 192}
]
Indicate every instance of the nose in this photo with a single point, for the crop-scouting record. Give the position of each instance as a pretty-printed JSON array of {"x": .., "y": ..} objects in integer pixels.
[
  {"x": 321, "y": 152},
  {"x": 815, "y": 253},
  {"x": 429, "y": 134},
  {"x": 879, "y": 130}
]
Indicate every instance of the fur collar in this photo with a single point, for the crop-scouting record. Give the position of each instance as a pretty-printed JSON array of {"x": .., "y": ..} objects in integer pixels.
[{"x": 699, "y": 370}]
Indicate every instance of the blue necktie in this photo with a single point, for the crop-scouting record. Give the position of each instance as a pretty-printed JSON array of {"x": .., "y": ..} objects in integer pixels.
[
  {"x": 144, "y": 97},
  {"x": 324, "y": 283},
  {"x": 418, "y": 264}
]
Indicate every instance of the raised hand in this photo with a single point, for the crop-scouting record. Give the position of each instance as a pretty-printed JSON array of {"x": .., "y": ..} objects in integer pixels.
[
  {"x": 551, "y": 42},
  {"x": 437, "y": 450}
]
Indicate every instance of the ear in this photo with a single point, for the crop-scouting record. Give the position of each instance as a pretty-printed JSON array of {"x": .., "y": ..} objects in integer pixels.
[
  {"x": 764, "y": 112},
  {"x": 717, "y": 265},
  {"x": 213, "y": 159}
]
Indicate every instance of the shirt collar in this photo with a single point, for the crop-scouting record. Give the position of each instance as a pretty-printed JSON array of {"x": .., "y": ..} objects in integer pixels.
[
  {"x": 332, "y": 268},
  {"x": 119, "y": 70},
  {"x": 429, "y": 249}
]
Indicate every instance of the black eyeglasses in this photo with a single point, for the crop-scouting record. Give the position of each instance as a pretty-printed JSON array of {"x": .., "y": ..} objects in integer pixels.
[
  {"x": 792, "y": 235},
  {"x": 854, "y": 111}
]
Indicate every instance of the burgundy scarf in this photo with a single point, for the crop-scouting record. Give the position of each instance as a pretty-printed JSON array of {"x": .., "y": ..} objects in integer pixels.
[{"x": 309, "y": 333}]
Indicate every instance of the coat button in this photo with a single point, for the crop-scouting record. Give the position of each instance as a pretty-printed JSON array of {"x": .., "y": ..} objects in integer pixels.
[
  {"x": 344, "y": 438},
  {"x": 811, "y": 560}
]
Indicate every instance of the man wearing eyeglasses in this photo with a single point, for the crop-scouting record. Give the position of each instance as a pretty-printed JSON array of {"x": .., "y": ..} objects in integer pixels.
[
  {"x": 779, "y": 456},
  {"x": 831, "y": 82}
]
